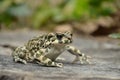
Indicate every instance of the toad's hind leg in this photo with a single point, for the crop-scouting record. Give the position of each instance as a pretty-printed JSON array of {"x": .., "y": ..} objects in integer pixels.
[
  {"x": 42, "y": 59},
  {"x": 19, "y": 55}
]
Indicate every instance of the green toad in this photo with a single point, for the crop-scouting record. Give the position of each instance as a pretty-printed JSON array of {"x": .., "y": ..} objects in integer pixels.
[{"x": 46, "y": 48}]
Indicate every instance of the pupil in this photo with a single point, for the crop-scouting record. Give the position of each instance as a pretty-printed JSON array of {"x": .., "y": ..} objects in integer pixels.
[{"x": 59, "y": 36}]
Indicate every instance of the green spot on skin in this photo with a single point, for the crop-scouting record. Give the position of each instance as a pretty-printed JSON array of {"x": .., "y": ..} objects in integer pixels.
[
  {"x": 50, "y": 62},
  {"x": 44, "y": 58}
]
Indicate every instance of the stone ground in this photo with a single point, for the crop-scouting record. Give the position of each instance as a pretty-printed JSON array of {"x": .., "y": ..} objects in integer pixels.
[{"x": 105, "y": 62}]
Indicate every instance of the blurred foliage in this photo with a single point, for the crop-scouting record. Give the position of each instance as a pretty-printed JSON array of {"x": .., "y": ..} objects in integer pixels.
[
  {"x": 115, "y": 35},
  {"x": 71, "y": 10},
  {"x": 67, "y": 10},
  {"x": 11, "y": 10}
]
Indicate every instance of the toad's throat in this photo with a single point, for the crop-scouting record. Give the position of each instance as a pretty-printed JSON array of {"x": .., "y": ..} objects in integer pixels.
[{"x": 54, "y": 52}]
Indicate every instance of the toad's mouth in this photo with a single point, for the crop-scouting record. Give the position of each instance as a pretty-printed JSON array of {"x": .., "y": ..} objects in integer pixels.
[{"x": 61, "y": 42}]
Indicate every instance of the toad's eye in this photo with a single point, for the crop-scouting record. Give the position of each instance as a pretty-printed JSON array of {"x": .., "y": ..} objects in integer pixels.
[
  {"x": 59, "y": 37},
  {"x": 71, "y": 34}
]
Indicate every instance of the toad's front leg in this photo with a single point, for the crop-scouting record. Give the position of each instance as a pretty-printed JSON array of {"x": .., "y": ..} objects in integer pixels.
[{"x": 79, "y": 56}]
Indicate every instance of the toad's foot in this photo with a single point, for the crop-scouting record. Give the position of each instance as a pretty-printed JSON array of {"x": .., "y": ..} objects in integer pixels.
[
  {"x": 59, "y": 65},
  {"x": 84, "y": 59},
  {"x": 20, "y": 60}
]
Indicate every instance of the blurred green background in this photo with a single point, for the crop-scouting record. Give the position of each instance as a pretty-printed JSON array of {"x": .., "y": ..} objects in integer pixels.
[{"x": 47, "y": 14}]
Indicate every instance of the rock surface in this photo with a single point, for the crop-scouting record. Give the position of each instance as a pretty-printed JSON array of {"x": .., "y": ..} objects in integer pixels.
[{"x": 105, "y": 61}]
